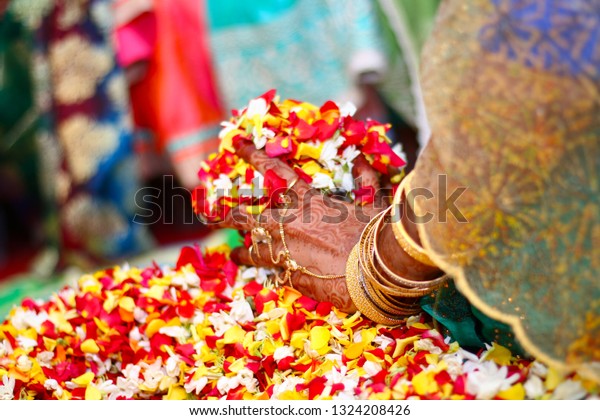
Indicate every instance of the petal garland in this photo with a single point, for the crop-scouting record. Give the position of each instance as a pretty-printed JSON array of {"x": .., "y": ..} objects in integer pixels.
[
  {"x": 208, "y": 330},
  {"x": 320, "y": 144}
]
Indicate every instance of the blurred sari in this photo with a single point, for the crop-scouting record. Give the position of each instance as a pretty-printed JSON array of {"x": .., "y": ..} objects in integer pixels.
[
  {"x": 175, "y": 101},
  {"x": 88, "y": 171},
  {"x": 511, "y": 89}
]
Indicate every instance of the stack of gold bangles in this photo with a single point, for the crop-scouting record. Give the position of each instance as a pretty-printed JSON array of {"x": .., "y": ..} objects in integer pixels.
[{"x": 377, "y": 291}]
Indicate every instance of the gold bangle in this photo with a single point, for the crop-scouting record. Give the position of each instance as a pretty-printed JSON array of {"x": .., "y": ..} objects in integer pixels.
[
  {"x": 359, "y": 296},
  {"x": 406, "y": 242},
  {"x": 393, "y": 285},
  {"x": 250, "y": 255},
  {"x": 388, "y": 305},
  {"x": 394, "y": 280},
  {"x": 394, "y": 300},
  {"x": 400, "y": 280}
]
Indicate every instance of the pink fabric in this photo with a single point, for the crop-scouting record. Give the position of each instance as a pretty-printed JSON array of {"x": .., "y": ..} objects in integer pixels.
[
  {"x": 177, "y": 96},
  {"x": 136, "y": 39}
]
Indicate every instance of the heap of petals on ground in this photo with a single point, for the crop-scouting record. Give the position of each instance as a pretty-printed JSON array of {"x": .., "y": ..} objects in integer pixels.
[{"x": 206, "y": 329}]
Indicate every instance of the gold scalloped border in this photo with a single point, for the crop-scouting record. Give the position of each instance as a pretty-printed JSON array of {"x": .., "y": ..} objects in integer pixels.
[{"x": 460, "y": 279}]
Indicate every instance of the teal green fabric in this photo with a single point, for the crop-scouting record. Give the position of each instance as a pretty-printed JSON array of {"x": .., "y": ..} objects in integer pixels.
[
  {"x": 16, "y": 94},
  {"x": 15, "y": 289},
  {"x": 465, "y": 323},
  {"x": 406, "y": 25},
  {"x": 419, "y": 17},
  {"x": 302, "y": 48},
  {"x": 20, "y": 196},
  {"x": 230, "y": 13}
]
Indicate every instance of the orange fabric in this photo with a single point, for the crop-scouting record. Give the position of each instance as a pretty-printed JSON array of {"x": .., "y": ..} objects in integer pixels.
[{"x": 178, "y": 95}]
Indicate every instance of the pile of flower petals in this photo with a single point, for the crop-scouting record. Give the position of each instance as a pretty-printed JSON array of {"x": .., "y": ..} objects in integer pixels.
[
  {"x": 203, "y": 330},
  {"x": 319, "y": 143}
]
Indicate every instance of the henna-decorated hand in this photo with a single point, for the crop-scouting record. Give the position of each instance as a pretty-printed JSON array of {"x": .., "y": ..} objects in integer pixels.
[{"x": 320, "y": 230}]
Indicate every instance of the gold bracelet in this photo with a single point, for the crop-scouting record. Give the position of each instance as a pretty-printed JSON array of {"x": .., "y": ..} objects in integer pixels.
[
  {"x": 406, "y": 242},
  {"x": 388, "y": 306},
  {"x": 400, "y": 280},
  {"x": 393, "y": 285},
  {"x": 290, "y": 264},
  {"x": 250, "y": 254},
  {"x": 371, "y": 276},
  {"x": 359, "y": 296},
  {"x": 390, "y": 302},
  {"x": 393, "y": 279},
  {"x": 381, "y": 300}
]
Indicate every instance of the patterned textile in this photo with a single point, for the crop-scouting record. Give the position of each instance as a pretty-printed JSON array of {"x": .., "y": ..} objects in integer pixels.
[
  {"x": 511, "y": 90},
  {"x": 307, "y": 49},
  {"x": 88, "y": 169}
]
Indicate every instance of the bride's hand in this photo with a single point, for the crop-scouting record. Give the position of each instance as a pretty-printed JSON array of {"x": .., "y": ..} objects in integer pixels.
[{"x": 319, "y": 230}]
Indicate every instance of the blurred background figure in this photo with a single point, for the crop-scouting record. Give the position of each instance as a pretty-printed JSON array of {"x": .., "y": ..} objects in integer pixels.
[
  {"x": 176, "y": 107},
  {"x": 190, "y": 62},
  {"x": 65, "y": 123}
]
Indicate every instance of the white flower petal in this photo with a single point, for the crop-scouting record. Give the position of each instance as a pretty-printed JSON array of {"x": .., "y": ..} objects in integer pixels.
[
  {"x": 534, "y": 387},
  {"x": 283, "y": 352},
  {"x": 569, "y": 390},
  {"x": 347, "y": 109},
  {"x": 256, "y": 107},
  {"x": 322, "y": 181}
]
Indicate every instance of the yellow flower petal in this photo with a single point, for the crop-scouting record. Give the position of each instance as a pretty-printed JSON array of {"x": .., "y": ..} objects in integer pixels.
[
  {"x": 402, "y": 343},
  {"x": 227, "y": 140},
  {"x": 90, "y": 346},
  {"x": 424, "y": 383},
  {"x": 298, "y": 338},
  {"x": 233, "y": 335},
  {"x": 372, "y": 358},
  {"x": 154, "y": 326},
  {"x": 248, "y": 340},
  {"x": 49, "y": 343},
  {"x": 290, "y": 295},
  {"x": 368, "y": 335},
  {"x": 156, "y": 292},
  {"x": 30, "y": 333},
  {"x": 127, "y": 303},
  {"x": 283, "y": 328},
  {"x": 291, "y": 395},
  {"x": 176, "y": 393},
  {"x": 89, "y": 283},
  {"x": 267, "y": 349},
  {"x": 110, "y": 302},
  {"x": 515, "y": 392},
  {"x": 447, "y": 390},
  {"x": 269, "y": 306},
  {"x": 60, "y": 321},
  {"x": 354, "y": 350},
  {"x": 174, "y": 322},
  {"x": 254, "y": 348},
  {"x": 319, "y": 337},
  {"x": 102, "y": 326},
  {"x": 554, "y": 378},
  {"x": 240, "y": 168},
  {"x": 92, "y": 393},
  {"x": 9, "y": 329},
  {"x": 306, "y": 150},
  {"x": 431, "y": 358},
  {"x": 499, "y": 354},
  {"x": 84, "y": 380},
  {"x": 238, "y": 365}
]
